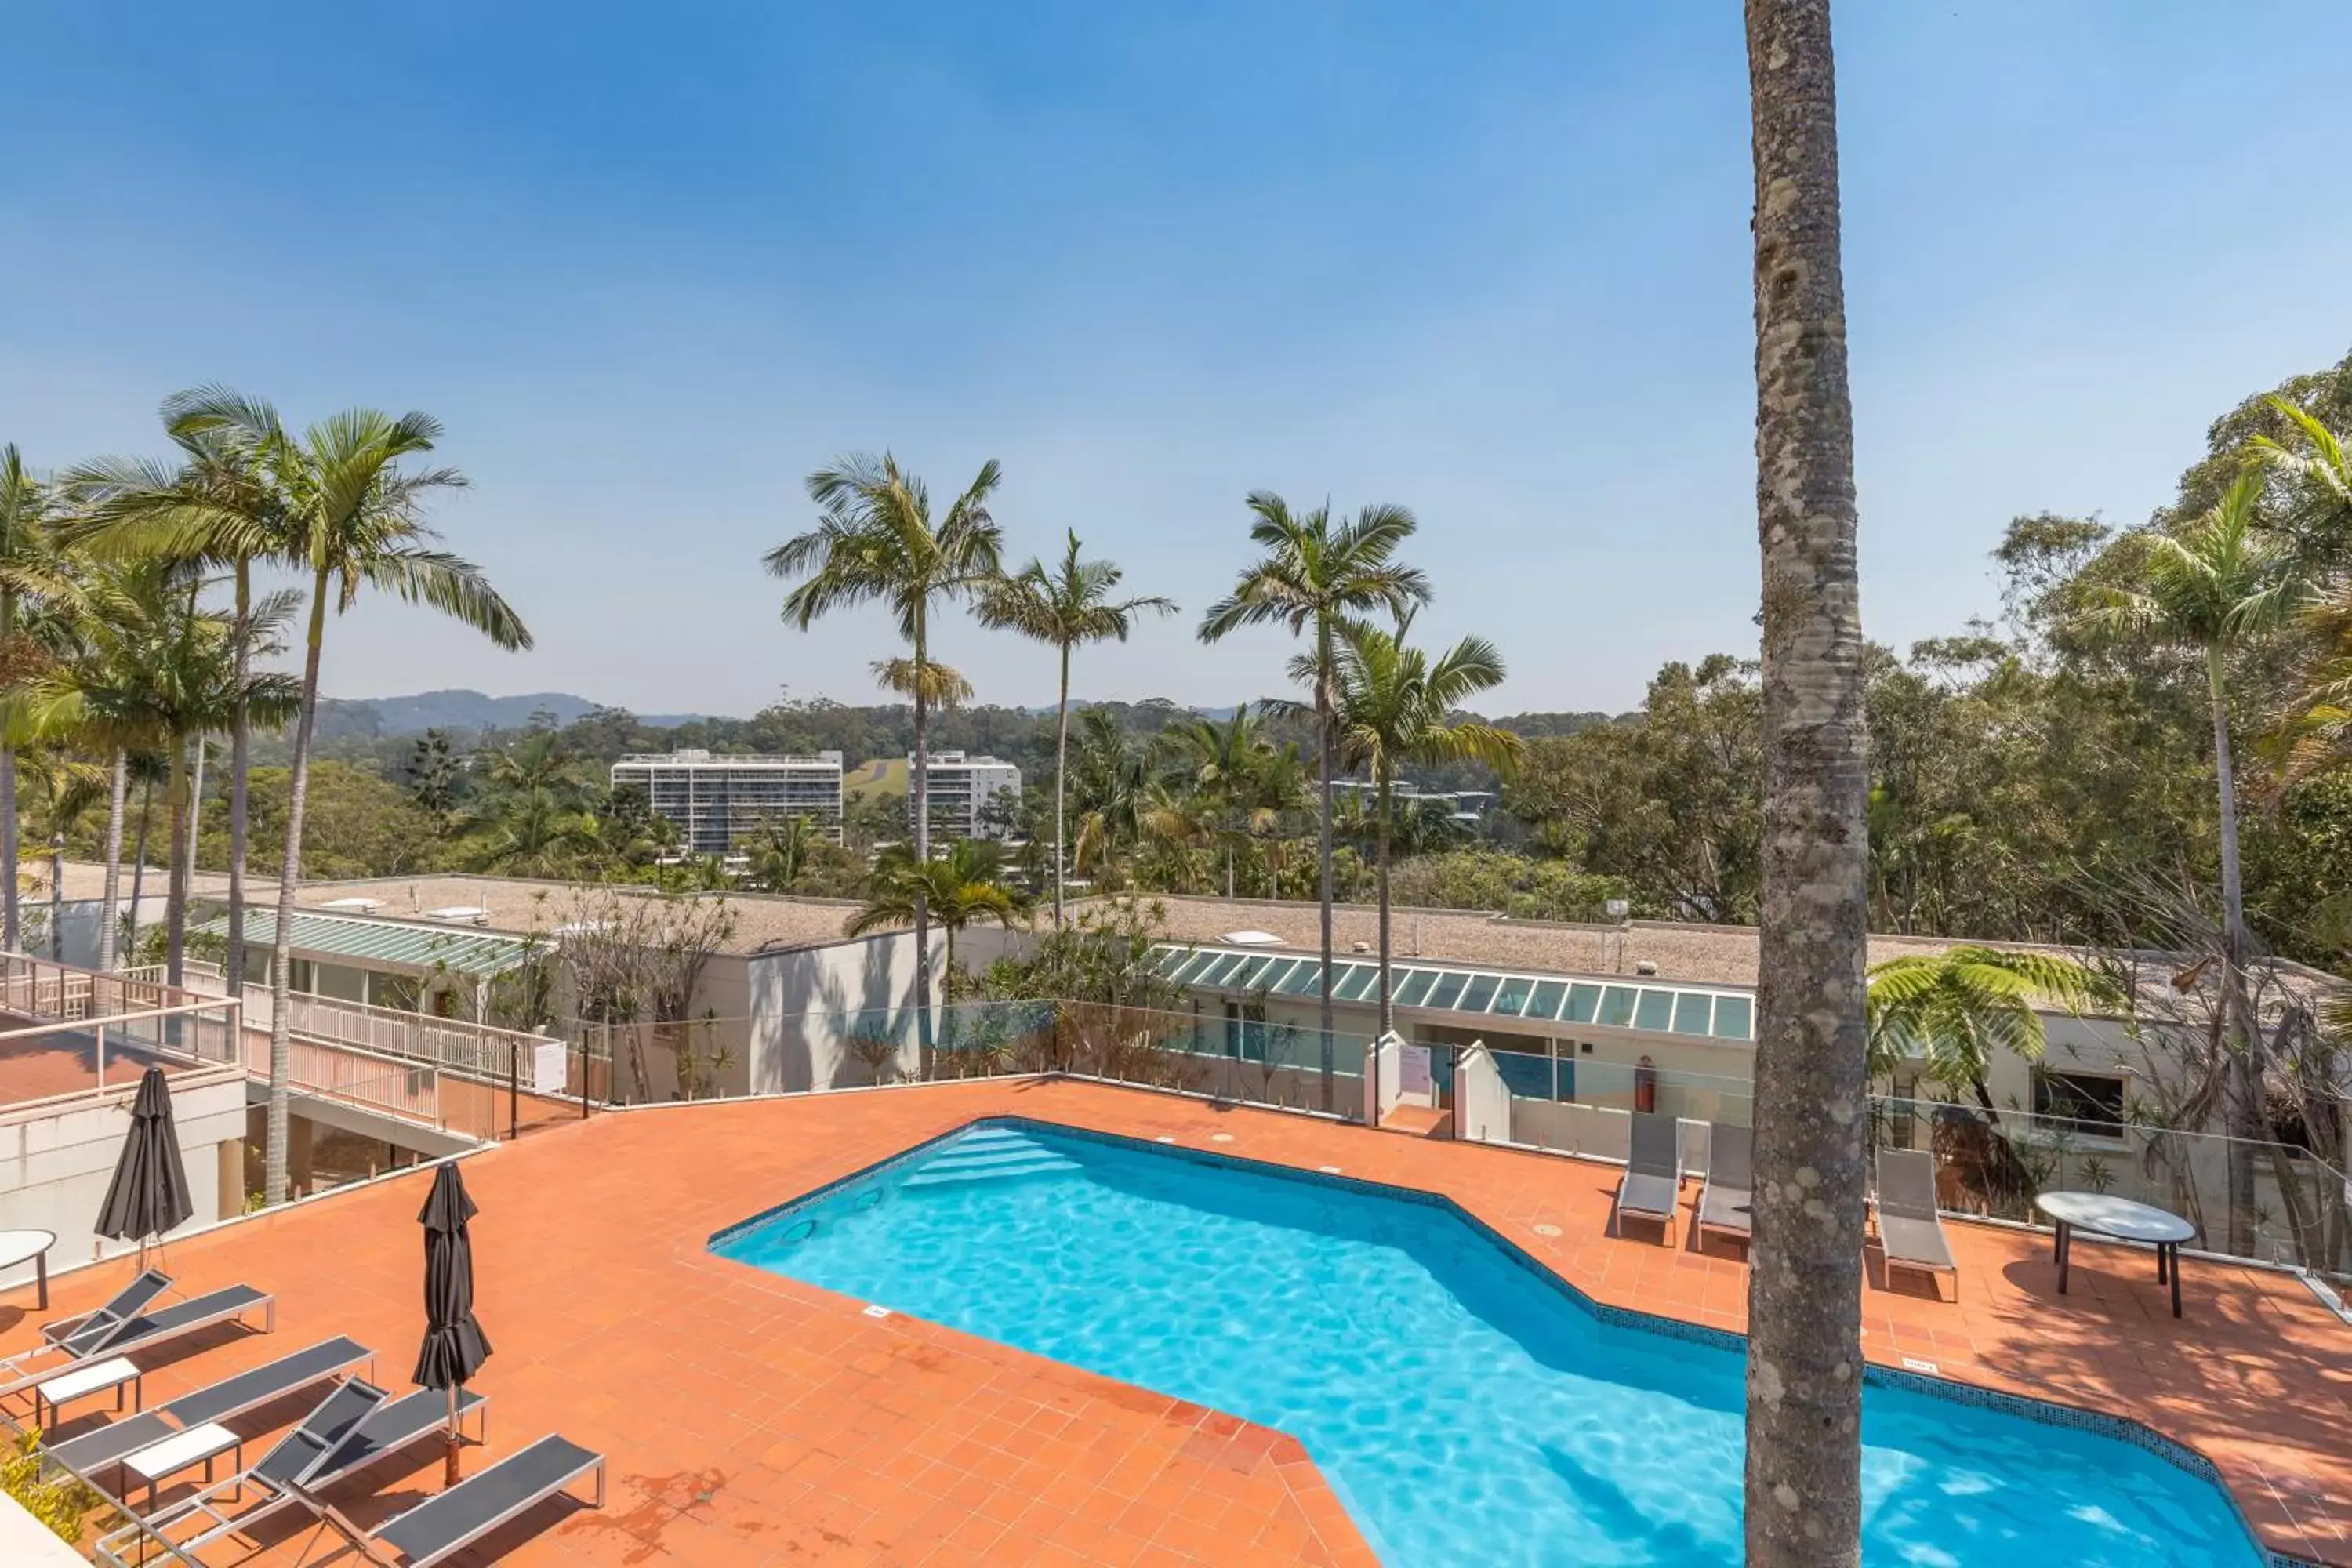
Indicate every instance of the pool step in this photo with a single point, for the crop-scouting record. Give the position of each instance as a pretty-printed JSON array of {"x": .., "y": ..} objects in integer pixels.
[{"x": 989, "y": 1156}]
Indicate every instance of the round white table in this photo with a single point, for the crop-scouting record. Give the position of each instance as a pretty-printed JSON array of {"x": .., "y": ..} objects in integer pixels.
[
  {"x": 30, "y": 1246},
  {"x": 2103, "y": 1213}
]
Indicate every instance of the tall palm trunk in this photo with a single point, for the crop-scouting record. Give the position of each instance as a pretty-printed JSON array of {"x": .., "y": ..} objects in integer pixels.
[
  {"x": 57, "y": 886},
  {"x": 2239, "y": 1035},
  {"x": 110, "y": 911},
  {"x": 919, "y": 823},
  {"x": 139, "y": 867},
  {"x": 1388, "y": 1009},
  {"x": 175, "y": 879},
  {"x": 195, "y": 810},
  {"x": 1804, "y": 1480},
  {"x": 9, "y": 929},
  {"x": 289, "y": 875},
  {"x": 1327, "y": 741},
  {"x": 1061, "y": 777},
  {"x": 240, "y": 728}
]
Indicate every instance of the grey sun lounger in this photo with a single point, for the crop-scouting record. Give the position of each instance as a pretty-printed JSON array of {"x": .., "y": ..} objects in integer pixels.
[
  {"x": 1654, "y": 1172},
  {"x": 129, "y": 1322},
  {"x": 452, "y": 1521},
  {"x": 351, "y": 1429},
  {"x": 1723, "y": 1203},
  {"x": 1908, "y": 1226},
  {"x": 94, "y": 1454}
]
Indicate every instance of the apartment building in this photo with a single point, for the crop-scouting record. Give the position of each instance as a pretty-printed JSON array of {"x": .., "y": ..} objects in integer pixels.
[
  {"x": 959, "y": 790},
  {"x": 719, "y": 801}
]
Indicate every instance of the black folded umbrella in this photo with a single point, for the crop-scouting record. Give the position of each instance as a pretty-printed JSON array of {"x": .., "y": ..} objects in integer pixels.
[
  {"x": 149, "y": 1194},
  {"x": 455, "y": 1346}
]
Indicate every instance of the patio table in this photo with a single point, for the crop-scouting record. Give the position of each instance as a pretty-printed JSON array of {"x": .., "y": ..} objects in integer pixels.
[
  {"x": 2103, "y": 1213},
  {"x": 30, "y": 1246}
]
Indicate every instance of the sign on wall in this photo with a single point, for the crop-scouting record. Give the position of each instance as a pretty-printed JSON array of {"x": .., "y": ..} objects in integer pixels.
[{"x": 1413, "y": 1071}]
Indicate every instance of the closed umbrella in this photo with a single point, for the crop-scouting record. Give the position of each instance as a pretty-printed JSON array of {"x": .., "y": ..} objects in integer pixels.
[
  {"x": 455, "y": 1346},
  {"x": 149, "y": 1194}
]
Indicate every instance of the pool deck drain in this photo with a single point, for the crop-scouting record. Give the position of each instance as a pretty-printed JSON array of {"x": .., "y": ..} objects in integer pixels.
[{"x": 751, "y": 1420}]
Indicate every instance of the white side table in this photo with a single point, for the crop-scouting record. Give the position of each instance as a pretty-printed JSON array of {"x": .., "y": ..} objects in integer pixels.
[
  {"x": 30, "y": 1246},
  {"x": 175, "y": 1453},
  {"x": 2102, "y": 1213},
  {"x": 95, "y": 1377}
]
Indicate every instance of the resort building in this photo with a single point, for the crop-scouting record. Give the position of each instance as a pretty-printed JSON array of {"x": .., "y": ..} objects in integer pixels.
[
  {"x": 719, "y": 801},
  {"x": 1471, "y": 810},
  {"x": 960, "y": 789}
]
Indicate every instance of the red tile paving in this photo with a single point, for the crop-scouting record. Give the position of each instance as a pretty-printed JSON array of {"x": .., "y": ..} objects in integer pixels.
[{"x": 753, "y": 1419}]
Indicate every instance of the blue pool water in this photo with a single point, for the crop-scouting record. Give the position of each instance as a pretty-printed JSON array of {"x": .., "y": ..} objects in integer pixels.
[{"x": 1466, "y": 1410}]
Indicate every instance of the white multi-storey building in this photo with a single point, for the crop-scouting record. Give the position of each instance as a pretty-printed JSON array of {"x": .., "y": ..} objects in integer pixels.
[
  {"x": 960, "y": 789},
  {"x": 717, "y": 801}
]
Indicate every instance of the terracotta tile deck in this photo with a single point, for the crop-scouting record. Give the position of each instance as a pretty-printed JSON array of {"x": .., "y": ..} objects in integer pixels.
[{"x": 752, "y": 1419}]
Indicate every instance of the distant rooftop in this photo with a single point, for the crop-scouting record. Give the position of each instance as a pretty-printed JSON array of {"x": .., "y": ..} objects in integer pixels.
[
  {"x": 702, "y": 757},
  {"x": 763, "y": 921}
]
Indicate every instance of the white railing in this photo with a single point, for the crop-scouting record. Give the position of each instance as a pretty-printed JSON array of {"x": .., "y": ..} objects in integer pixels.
[{"x": 478, "y": 1051}]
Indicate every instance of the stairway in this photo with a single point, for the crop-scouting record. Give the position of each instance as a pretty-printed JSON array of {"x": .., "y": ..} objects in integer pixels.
[{"x": 991, "y": 1154}]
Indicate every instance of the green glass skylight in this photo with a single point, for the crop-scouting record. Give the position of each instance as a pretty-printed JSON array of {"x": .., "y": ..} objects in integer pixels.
[
  {"x": 1656, "y": 1010},
  {"x": 1691, "y": 1009},
  {"x": 1448, "y": 990},
  {"x": 1480, "y": 992},
  {"x": 1512, "y": 997},
  {"x": 1359, "y": 978},
  {"x": 1549, "y": 995}
]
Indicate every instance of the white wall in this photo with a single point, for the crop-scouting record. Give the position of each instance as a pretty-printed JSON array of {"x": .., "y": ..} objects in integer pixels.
[
  {"x": 805, "y": 1003},
  {"x": 56, "y": 1164}
]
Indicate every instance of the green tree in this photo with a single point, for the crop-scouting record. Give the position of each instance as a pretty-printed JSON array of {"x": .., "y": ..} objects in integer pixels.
[
  {"x": 1227, "y": 785},
  {"x": 1394, "y": 706},
  {"x": 960, "y": 888},
  {"x": 352, "y": 520},
  {"x": 2211, "y": 590},
  {"x": 1804, "y": 1477},
  {"x": 28, "y": 516},
  {"x": 875, "y": 543},
  {"x": 782, "y": 850},
  {"x": 1314, "y": 575},
  {"x": 1065, "y": 606},
  {"x": 216, "y": 507},
  {"x": 1950, "y": 1011}
]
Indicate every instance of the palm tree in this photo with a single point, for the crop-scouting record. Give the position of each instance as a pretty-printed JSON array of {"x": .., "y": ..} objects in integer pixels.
[
  {"x": 152, "y": 669},
  {"x": 1065, "y": 606},
  {"x": 1804, "y": 1476},
  {"x": 67, "y": 789},
  {"x": 216, "y": 508},
  {"x": 875, "y": 543},
  {"x": 27, "y": 513},
  {"x": 1950, "y": 1011},
  {"x": 1112, "y": 785},
  {"x": 1396, "y": 707},
  {"x": 2221, "y": 583},
  {"x": 2317, "y": 471},
  {"x": 780, "y": 851},
  {"x": 964, "y": 886},
  {"x": 1227, "y": 781},
  {"x": 352, "y": 520},
  {"x": 1314, "y": 575}
]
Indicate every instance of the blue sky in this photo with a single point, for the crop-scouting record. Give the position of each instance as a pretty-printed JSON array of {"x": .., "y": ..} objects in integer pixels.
[{"x": 650, "y": 266}]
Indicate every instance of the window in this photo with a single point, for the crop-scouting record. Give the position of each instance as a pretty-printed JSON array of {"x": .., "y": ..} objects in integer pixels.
[{"x": 2084, "y": 1102}]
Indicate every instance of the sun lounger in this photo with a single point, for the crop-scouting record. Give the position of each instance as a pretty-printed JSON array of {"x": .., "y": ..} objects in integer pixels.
[
  {"x": 96, "y": 1454},
  {"x": 141, "y": 1326},
  {"x": 452, "y": 1521},
  {"x": 1653, "y": 1175},
  {"x": 1908, "y": 1226},
  {"x": 89, "y": 1333},
  {"x": 352, "y": 1427},
  {"x": 1723, "y": 1203}
]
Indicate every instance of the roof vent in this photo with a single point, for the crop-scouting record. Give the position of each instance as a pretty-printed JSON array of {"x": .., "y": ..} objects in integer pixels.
[
  {"x": 1361, "y": 946},
  {"x": 1250, "y": 939},
  {"x": 354, "y": 906},
  {"x": 460, "y": 915},
  {"x": 1645, "y": 966}
]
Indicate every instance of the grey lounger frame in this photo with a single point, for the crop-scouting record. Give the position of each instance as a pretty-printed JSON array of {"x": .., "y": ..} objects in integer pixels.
[
  {"x": 94, "y": 1454},
  {"x": 81, "y": 1336},
  {"x": 1652, "y": 1188},
  {"x": 355, "y": 1425},
  {"x": 1909, "y": 1229},
  {"x": 87, "y": 1338},
  {"x": 450, "y": 1522},
  {"x": 1724, "y": 1202}
]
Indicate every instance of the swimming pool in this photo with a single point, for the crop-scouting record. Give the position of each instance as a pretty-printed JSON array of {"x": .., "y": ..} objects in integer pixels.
[{"x": 1464, "y": 1405}]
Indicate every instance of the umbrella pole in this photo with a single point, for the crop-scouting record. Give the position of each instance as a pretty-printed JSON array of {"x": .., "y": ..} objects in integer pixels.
[{"x": 449, "y": 1467}]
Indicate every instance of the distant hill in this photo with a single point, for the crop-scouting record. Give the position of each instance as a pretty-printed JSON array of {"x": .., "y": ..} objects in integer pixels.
[{"x": 459, "y": 709}]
